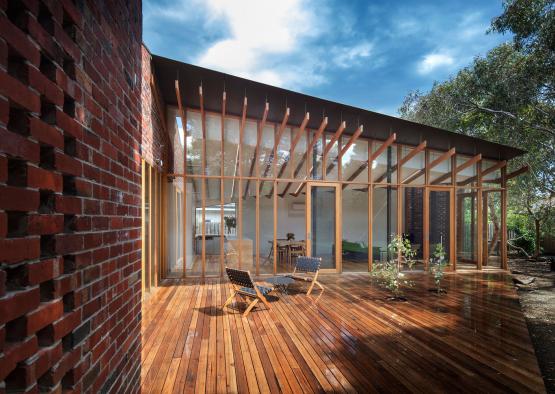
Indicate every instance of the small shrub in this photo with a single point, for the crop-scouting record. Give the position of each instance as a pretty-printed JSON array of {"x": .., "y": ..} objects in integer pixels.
[{"x": 437, "y": 266}]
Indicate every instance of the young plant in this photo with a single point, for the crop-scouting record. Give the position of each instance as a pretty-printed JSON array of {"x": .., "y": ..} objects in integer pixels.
[
  {"x": 401, "y": 248},
  {"x": 389, "y": 273},
  {"x": 437, "y": 266}
]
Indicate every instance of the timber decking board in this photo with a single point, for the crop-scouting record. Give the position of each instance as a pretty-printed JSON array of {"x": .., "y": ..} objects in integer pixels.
[{"x": 474, "y": 338}]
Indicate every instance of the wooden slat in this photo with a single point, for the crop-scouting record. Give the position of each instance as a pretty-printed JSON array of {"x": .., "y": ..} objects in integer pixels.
[
  {"x": 348, "y": 339},
  {"x": 273, "y": 157},
  {"x": 485, "y": 172},
  {"x": 439, "y": 160}
]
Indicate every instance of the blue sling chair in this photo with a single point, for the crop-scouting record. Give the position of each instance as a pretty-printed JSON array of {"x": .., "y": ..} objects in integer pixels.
[
  {"x": 244, "y": 286},
  {"x": 307, "y": 269}
]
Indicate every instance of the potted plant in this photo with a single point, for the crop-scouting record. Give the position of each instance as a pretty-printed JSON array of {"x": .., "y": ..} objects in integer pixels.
[
  {"x": 389, "y": 273},
  {"x": 437, "y": 267}
]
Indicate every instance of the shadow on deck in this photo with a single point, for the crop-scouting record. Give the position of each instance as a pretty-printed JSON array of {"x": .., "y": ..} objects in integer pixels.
[{"x": 350, "y": 338}]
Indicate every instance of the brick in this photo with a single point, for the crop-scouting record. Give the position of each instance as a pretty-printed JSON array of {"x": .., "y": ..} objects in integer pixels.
[
  {"x": 46, "y": 87},
  {"x": 18, "y": 303},
  {"x": 47, "y": 358},
  {"x": 15, "y": 250},
  {"x": 46, "y": 133},
  {"x": 18, "y": 146},
  {"x": 3, "y": 169},
  {"x": 47, "y": 313},
  {"x": 68, "y": 204},
  {"x": 69, "y": 125},
  {"x": 15, "y": 352},
  {"x": 66, "y": 324},
  {"x": 68, "y": 165},
  {"x": 44, "y": 270},
  {"x": 18, "y": 199},
  {"x": 68, "y": 243},
  {"x": 40, "y": 178},
  {"x": 3, "y": 277},
  {"x": 19, "y": 41},
  {"x": 3, "y": 224},
  {"x": 16, "y": 91}
]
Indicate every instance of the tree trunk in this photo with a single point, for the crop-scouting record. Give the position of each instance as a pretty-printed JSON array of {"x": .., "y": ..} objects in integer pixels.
[{"x": 537, "y": 249}]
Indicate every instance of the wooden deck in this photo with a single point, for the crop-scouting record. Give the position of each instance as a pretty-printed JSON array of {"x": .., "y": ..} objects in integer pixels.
[{"x": 350, "y": 339}]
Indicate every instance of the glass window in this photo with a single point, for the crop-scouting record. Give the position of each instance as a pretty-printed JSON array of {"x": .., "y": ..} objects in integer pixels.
[
  {"x": 413, "y": 221},
  {"x": 412, "y": 172},
  {"x": 468, "y": 175},
  {"x": 355, "y": 161},
  {"x": 231, "y": 218},
  {"x": 266, "y": 207},
  {"x": 290, "y": 227},
  {"x": 212, "y": 223},
  {"x": 194, "y": 143},
  {"x": 174, "y": 226},
  {"x": 355, "y": 228},
  {"x": 384, "y": 167},
  {"x": 466, "y": 228},
  {"x": 213, "y": 144},
  {"x": 441, "y": 173},
  {"x": 384, "y": 220},
  {"x": 231, "y": 146}
]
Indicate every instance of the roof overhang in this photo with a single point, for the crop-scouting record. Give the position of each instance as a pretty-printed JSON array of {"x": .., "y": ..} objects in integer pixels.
[{"x": 376, "y": 126}]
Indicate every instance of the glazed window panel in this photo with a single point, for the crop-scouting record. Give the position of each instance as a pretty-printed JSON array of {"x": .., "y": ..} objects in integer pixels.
[
  {"x": 298, "y": 165},
  {"x": 213, "y": 144},
  {"x": 491, "y": 178},
  {"x": 441, "y": 173},
  {"x": 466, "y": 223},
  {"x": 290, "y": 236},
  {"x": 468, "y": 175},
  {"x": 193, "y": 227},
  {"x": 266, "y": 228},
  {"x": 212, "y": 223},
  {"x": 384, "y": 167},
  {"x": 177, "y": 144},
  {"x": 250, "y": 139},
  {"x": 283, "y": 152},
  {"x": 231, "y": 221},
  {"x": 231, "y": 146},
  {"x": 384, "y": 220},
  {"x": 332, "y": 158},
  {"x": 413, "y": 221},
  {"x": 355, "y": 228},
  {"x": 316, "y": 157},
  {"x": 355, "y": 161},
  {"x": 194, "y": 143},
  {"x": 174, "y": 226},
  {"x": 267, "y": 149},
  {"x": 412, "y": 172}
]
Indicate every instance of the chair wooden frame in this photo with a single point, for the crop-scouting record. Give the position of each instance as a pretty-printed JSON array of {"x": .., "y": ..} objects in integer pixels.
[
  {"x": 238, "y": 290},
  {"x": 313, "y": 279}
]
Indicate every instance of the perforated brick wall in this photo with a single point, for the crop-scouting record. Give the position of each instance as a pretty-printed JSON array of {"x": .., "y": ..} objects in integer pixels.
[{"x": 70, "y": 120}]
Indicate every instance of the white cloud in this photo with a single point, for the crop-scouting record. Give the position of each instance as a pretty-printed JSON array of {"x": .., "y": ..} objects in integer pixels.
[
  {"x": 263, "y": 36},
  {"x": 433, "y": 61},
  {"x": 346, "y": 57}
]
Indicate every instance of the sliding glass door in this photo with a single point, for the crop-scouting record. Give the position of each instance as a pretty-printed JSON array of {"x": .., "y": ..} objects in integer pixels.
[{"x": 324, "y": 224}]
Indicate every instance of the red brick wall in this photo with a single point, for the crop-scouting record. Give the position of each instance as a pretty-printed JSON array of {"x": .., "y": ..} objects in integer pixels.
[
  {"x": 154, "y": 142},
  {"x": 70, "y": 138}
]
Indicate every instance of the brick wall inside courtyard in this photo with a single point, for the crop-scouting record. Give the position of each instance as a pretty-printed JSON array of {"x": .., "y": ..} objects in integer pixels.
[{"x": 70, "y": 148}]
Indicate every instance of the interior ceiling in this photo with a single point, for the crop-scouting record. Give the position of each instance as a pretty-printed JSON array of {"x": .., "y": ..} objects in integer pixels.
[{"x": 376, "y": 125}]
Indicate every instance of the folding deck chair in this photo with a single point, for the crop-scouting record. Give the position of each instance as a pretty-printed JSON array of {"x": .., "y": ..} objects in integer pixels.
[
  {"x": 244, "y": 286},
  {"x": 307, "y": 270}
]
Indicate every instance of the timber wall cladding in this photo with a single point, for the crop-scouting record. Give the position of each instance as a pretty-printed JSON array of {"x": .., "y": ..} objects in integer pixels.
[{"x": 70, "y": 195}]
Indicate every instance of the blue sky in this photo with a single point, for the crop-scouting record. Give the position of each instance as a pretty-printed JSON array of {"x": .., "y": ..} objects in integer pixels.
[{"x": 369, "y": 54}]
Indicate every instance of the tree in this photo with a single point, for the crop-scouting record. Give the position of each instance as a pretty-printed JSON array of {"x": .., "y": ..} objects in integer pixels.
[{"x": 508, "y": 96}]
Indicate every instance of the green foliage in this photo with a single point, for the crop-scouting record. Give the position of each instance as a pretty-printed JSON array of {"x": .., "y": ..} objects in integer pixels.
[
  {"x": 437, "y": 266},
  {"x": 389, "y": 273},
  {"x": 508, "y": 97},
  {"x": 401, "y": 246}
]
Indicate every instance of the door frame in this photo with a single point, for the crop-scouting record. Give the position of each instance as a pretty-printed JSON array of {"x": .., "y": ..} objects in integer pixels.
[{"x": 338, "y": 220}]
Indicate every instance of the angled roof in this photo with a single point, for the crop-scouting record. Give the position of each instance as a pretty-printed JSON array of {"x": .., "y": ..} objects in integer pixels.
[{"x": 376, "y": 126}]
